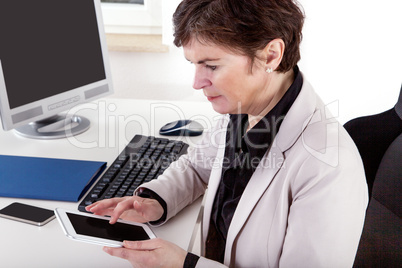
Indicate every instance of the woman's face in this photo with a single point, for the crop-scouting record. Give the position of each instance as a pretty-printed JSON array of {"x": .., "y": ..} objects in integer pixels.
[{"x": 227, "y": 81}]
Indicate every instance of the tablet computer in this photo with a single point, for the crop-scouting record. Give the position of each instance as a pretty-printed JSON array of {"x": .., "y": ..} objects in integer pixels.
[{"x": 96, "y": 229}]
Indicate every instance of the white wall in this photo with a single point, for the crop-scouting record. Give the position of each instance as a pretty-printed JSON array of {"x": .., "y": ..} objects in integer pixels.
[{"x": 351, "y": 54}]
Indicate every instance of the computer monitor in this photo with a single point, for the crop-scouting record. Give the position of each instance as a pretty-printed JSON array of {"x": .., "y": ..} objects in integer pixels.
[{"x": 53, "y": 56}]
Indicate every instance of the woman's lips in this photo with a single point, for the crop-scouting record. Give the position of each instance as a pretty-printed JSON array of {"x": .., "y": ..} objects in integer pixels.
[{"x": 211, "y": 98}]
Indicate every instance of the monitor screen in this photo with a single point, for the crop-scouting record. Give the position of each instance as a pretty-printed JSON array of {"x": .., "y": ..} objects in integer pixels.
[{"x": 53, "y": 56}]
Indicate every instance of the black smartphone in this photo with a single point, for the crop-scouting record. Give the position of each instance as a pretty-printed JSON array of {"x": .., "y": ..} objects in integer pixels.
[{"x": 27, "y": 213}]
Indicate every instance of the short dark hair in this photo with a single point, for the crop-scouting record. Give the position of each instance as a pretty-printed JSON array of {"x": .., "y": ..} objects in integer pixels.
[{"x": 242, "y": 26}]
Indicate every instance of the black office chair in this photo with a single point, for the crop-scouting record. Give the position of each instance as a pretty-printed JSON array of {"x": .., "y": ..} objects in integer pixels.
[
  {"x": 379, "y": 140},
  {"x": 373, "y": 135}
]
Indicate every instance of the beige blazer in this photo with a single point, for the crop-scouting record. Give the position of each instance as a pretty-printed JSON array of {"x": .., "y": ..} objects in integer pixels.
[{"x": 305, "y": 204}]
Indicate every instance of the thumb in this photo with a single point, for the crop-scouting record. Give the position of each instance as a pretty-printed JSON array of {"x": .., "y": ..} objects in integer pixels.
[
  {"x": 150, "y": 244},
  {"x": 148, "y": 209},
  {"x": 139, "y": 208}
]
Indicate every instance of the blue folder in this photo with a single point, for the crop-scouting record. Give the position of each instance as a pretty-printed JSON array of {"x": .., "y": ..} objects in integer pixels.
[{"x": 47, "y": 178}]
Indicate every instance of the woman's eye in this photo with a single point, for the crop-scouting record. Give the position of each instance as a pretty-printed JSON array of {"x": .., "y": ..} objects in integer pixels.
[{"x": 212, "y": 67}]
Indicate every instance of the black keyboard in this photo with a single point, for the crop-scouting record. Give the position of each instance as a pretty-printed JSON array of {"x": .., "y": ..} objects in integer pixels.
[{"x": 143, "y": 160}]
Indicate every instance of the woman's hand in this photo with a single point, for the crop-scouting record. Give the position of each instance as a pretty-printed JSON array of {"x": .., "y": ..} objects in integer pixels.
[
  {"x": 150, "y": 253},
  {"x": 132, "y": 208}
]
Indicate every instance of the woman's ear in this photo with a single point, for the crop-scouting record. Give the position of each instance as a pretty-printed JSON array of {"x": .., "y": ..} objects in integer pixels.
[{"x": 273, "y": 53}]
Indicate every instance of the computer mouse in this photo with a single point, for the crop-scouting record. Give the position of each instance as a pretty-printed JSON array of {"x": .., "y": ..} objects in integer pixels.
[{"x": 182, "y": 128}]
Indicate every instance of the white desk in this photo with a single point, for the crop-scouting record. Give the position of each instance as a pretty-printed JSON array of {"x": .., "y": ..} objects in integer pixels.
[{"x": 113, "y": 123}]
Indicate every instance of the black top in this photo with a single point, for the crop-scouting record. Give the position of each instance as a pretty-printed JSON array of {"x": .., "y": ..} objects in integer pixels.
[{"x": 243, "y": 152}]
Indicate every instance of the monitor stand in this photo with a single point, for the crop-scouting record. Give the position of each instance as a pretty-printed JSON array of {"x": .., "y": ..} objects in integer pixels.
[{"x": 54, "y": 127}]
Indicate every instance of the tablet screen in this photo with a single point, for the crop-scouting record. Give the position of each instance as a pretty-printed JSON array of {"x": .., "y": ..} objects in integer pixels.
[{"x": 102, "y": 229}]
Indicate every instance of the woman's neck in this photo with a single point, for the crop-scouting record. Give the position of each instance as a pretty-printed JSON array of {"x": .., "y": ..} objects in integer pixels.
[{"x": 280, "y": 83}]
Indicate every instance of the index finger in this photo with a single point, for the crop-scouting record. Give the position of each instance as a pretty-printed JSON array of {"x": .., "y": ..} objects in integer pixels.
[
  {"x": 119, "y": 209},
  {"x": 100, "y": 206},
  {"x": 133, "y": 256}
]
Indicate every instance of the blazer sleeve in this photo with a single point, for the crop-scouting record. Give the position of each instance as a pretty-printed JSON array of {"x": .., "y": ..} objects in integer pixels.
[
  {"x": 327, "y": 212},
  {"x": 187, "y": 178}
]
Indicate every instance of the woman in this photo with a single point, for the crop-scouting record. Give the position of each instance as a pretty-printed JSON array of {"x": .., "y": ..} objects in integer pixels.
[{"x": 285, "y": 182}]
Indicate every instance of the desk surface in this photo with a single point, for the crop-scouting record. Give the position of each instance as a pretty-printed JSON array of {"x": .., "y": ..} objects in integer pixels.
[{"x": 113, "y": 123}]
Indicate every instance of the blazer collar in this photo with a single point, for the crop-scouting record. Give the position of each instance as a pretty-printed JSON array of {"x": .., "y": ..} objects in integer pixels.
[{"x": 297, "y": 118}]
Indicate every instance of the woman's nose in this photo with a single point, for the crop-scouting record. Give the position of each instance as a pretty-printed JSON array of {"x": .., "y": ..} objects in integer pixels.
[{"x": 200, "y": 79}]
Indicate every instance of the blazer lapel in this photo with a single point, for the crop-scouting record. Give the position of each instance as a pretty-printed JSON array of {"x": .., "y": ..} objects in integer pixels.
[
  {"x": 213, "y": 186},
  {"x": 259, "y": 182}
]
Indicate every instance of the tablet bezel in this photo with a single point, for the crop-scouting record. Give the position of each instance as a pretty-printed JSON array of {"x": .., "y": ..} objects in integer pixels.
[{"x": 69, "y": 231}]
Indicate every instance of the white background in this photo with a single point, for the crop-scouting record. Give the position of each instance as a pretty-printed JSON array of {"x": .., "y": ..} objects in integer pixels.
[{"x": 351, "y": 54}]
